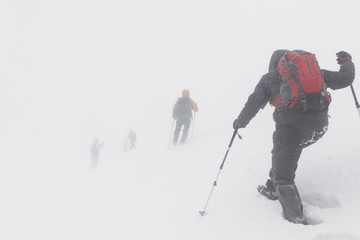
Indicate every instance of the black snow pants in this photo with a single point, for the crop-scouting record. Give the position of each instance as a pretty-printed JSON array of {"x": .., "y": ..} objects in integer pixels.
[
  {"x": 289, "y": 140},
  {"x": 179, "y": 124}
]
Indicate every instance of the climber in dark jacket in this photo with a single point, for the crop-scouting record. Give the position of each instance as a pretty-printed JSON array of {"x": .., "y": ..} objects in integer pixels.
[{"x": 294, "y": 131}]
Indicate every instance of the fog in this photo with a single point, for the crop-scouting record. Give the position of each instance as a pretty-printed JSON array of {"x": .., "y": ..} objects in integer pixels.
[{"x": 71, "y": 71}]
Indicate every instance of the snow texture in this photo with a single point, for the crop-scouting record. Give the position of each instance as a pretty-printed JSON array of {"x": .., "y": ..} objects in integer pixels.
[{"x": 75, "y": 70}]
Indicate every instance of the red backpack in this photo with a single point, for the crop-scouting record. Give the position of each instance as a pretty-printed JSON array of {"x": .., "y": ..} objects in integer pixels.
[{"x": 302, "y": 86}]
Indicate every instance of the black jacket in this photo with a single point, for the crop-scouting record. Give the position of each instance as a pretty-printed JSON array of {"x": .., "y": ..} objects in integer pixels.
[{"x": 269, "y": 87}]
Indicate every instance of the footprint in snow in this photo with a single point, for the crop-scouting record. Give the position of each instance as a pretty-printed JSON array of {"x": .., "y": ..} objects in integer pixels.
[{"x": 321, "y": 200}]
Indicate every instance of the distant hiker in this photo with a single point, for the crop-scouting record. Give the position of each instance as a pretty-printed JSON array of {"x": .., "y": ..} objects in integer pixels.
[
  {"x": 95, "y": 152},
  {"x": 182, "y": 114},
  {"x": 132, "y": 138},
  {"x": 297, "y": 87}
]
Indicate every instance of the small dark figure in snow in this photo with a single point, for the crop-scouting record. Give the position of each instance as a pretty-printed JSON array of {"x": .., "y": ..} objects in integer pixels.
[
  {"x": 132, "y": 138},
  {"x": 295, "y": 129},
  {"x": 182, "y": 114},
  {"x": 95, "y": 152}
]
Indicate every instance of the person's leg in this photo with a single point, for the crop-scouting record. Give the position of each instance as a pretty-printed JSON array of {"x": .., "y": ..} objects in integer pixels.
[
  {"x": 177, "y": 131},
  {"x": 285, "y": 155},
  {"x": 94, "y": 160},
  {"x": 289, "y": 140},
  {"x": 291, "y": 204},
  {"x": 132, "y": 144},
  {"x": 186, "y": 130}
]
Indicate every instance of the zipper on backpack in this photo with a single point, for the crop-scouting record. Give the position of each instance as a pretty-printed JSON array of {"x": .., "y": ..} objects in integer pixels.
[{"x": 308, "y": 64}]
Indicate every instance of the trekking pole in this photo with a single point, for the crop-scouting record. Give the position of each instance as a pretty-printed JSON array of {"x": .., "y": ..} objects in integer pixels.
[
  {"x": 192, "y": 131},
  {"x": 203, "y": 212},
  {"x": 104, "y": 151},
  {"x": 171, "y": 132},
  {"x": 356, "y": 101}
]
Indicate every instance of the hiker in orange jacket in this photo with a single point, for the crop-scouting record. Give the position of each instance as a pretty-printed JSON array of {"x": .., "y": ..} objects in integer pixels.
[{"x": 182, "y": 114}]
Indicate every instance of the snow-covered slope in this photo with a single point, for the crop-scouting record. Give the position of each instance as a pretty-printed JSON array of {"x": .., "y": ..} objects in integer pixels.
[{"x": 156, "y": 193}]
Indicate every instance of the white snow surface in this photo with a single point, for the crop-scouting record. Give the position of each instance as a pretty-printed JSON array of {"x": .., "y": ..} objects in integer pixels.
[{"x": 74, "y": 70}]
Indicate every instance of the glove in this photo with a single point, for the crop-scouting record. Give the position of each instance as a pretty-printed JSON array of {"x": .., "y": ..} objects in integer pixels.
[
  {"x": 343, "y": 57},
  {"x": 236, "y": 124}
]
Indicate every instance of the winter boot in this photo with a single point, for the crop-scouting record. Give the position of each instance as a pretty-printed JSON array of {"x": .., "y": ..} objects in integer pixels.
[
  {"x": 291, "y": 203},
  {"x": 268, "y": 190}
]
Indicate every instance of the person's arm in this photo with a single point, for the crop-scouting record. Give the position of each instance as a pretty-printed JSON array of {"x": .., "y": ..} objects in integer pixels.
[
  {"x": 255, "y": 102},
  {"x": 194, "y": 106},
  {"x": 342, "y": 78}
]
